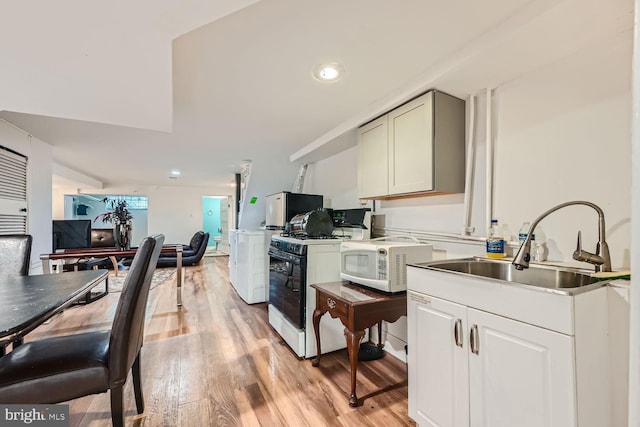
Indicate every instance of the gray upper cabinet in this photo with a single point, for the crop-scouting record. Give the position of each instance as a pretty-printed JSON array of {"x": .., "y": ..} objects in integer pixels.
[
  {"x": 373, "y": 165},
  {"x": 417, "y": 148}
]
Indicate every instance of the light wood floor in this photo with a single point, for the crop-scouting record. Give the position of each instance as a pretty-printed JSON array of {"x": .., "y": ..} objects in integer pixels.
[{"x": 217, "y": 362}]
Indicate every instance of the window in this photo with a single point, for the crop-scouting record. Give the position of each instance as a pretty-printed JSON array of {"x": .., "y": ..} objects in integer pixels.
[{"x": 133, "y": 202}]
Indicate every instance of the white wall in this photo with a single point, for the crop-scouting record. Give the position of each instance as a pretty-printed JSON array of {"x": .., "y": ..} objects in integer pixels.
[
  {"x": 38, "y": 187},
  {"x": 263, "y": 181},
  {"x": 561, "y": 133},
  {"x": 175, "y": 212},
  {"x": 335, "y": 178}
]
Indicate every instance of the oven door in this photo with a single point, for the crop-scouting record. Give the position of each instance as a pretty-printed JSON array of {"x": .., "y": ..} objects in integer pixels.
[{"x": 287, "y": 277}]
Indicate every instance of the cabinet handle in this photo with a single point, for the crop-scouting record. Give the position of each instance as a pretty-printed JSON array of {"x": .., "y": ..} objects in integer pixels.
[
  {"x": 474, "y": 341},
  {"x": 457, "y": 333}
]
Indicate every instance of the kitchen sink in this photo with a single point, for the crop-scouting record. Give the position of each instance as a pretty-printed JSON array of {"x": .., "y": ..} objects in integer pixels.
[{"x": 543, "y": 276}]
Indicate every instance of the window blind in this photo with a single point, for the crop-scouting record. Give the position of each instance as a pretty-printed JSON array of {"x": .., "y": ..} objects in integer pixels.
[{"x": 13, "y": 192}]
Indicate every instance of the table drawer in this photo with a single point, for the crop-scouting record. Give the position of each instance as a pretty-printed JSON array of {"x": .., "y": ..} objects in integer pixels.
[{"x": 334, "y": 306}]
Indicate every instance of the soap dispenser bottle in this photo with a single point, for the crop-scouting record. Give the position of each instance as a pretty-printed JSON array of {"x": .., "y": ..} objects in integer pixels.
[{"x": 495, "y": 241}]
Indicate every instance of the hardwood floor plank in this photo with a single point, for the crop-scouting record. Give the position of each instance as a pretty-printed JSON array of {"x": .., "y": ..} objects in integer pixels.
[
  {"x": 194, "y": 414},
  {"x": 267, "y": 414},
  {"x": 249, "y": 417},
  {"x": 217, "y": 362}
]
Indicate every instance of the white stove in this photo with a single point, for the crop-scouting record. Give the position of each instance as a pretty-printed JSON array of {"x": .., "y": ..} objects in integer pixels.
[{"x": 296, "y": 264}]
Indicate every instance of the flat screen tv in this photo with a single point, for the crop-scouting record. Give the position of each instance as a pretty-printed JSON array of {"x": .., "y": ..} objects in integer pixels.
[{"x": 71, "y": 234}]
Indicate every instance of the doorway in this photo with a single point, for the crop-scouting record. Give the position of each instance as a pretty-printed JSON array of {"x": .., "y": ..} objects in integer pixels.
[{"x": 215, "y": 221}]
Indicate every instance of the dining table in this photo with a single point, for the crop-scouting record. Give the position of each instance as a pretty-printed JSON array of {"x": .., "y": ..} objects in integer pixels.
[
  {"x": 113, "y": 254},
  {"x": 26, "y": 302}
]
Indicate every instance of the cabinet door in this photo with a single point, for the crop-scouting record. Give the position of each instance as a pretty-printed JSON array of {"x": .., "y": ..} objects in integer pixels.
[
  {"x": 411, "y": 146},
  {"x": 520, "y": 375},
  {"x": 438, "y": 362},
  {"x": 373, "y": 172}
]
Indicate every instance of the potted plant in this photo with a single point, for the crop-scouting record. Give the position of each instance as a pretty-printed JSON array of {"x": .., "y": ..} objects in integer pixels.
[{"x": 121, "y": 218}]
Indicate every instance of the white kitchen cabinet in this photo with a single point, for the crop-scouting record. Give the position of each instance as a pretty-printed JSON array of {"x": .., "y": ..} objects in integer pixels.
[
  {"x": 550, "y": 370},
  {"x": 416, "y": 148}
]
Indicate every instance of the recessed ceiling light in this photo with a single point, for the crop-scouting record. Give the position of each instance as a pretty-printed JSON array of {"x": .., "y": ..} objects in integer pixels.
[
  {"x": 328, "y": 72},
  {"x": 175, "y": 172}
]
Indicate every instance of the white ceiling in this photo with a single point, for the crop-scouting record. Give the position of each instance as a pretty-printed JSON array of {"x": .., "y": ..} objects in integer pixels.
[{"x": 127, "y": 91}]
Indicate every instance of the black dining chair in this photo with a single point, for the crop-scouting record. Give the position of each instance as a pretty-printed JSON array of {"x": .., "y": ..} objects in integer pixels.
[
  {"x": 58, "y": 369},
  {"x": 15, "y": 254}
]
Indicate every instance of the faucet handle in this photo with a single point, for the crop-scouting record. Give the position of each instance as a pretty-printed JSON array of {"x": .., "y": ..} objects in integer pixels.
[
  {"x": 579, "y": 245},
  {"x": 580, "y": 255}
]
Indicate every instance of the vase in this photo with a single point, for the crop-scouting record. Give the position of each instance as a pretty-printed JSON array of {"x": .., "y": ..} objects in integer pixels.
[{"x": 122, "y": 235}]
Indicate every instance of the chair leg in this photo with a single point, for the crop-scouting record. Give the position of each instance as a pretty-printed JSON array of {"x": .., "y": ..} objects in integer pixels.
[
  {"x": 117, "y": 406},
  {"x": 17, "y": 343},
  {"x": 137, "y": 384}
]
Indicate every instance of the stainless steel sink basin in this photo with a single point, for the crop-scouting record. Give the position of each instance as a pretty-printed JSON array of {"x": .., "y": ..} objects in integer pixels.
[{"x": 550, "y": 277}]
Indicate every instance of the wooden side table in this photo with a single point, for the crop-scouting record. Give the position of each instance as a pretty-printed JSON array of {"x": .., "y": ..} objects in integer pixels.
[{"x": 358, "y": 309}]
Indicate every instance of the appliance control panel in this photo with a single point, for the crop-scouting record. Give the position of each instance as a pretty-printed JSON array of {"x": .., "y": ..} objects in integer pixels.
[{"x": 289, "y": 247}]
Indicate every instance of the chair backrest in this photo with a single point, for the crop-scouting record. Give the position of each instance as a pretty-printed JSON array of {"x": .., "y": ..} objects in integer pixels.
[
  {"x": 196, "y": 240},
  {"x": 203, "y": 245},
  {"x": 127, "y": 331},
  {"x": 15, "y": 254}
]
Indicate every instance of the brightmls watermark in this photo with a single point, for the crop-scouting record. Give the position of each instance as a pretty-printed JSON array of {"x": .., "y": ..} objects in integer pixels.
[{"x": 36, "y": 415}]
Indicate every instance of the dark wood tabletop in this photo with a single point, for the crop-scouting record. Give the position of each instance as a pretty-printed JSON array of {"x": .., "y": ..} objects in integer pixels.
[
  {"x": 28, "y": 301},
  {"x": 113, "y": 254},
  {"x": 106, "y": 252}
]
